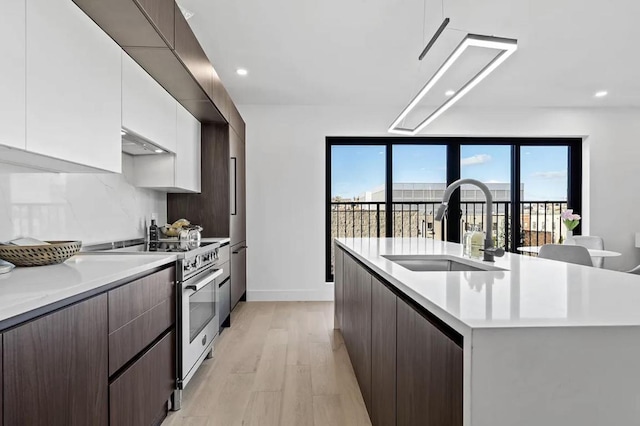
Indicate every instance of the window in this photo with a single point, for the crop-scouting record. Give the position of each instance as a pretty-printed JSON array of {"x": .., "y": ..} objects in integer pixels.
[{"x": 531, "y": 180}]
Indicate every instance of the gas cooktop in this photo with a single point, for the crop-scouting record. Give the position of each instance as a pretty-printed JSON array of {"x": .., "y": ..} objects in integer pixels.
[{"x": 183, "y": 249}]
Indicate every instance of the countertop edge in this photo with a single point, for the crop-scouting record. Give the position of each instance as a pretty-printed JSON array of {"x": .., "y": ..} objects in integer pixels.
[{"x": 88, "y": 290}]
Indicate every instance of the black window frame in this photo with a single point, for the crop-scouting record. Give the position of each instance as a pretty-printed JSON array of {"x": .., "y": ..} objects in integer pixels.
[{"x": 454, "y": 144}]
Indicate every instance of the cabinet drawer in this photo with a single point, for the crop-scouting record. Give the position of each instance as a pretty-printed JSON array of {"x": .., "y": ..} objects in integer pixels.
[
  {"x": 131, "y": 338},
  {"x": 140, "y": 394},
  {"x": 128, "y": 302}
]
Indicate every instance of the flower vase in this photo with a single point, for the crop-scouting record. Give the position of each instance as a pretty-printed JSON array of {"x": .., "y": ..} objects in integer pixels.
[{"x": 568, "y": 239}]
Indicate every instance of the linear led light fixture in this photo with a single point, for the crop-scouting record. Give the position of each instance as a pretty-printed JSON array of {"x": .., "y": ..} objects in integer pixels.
[{"x": 506, "y": 45}]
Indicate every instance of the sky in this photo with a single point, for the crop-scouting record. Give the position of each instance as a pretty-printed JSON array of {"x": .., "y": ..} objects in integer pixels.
[{"x": 357, "y": 169}]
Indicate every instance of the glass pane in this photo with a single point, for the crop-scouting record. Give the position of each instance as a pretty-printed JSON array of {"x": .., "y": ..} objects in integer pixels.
[
  {"x": 419, "y": 181},
  {"x": 490, "y": 164},
  {"x": 202, "y": 309},
  {"x": 543, "y": 173},
  {"x": 357, "y": 192}
]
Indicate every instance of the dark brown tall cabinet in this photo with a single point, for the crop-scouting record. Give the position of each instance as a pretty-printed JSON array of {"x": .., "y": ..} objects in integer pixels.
[
  {"x": 56, "y": 368},
  {"x": 238, "y": 213},
  {"x": 221, "y": 206}
]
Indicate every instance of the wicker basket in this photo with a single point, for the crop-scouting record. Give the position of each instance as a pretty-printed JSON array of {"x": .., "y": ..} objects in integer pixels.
[{"x": 55, "y": 252}]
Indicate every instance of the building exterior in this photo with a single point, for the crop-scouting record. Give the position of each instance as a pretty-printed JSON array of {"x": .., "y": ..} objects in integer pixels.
[{"x": 501, "y": 192}]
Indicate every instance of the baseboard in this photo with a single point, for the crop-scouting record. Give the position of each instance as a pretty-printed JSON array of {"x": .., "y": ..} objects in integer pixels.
[{"x": 290, "y": 295}]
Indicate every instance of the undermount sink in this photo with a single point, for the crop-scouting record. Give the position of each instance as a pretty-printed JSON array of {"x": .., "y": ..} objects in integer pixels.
[{"x": 423, "y": 263}]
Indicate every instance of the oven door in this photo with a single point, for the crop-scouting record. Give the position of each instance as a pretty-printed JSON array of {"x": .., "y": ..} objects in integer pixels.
[{"x": 199, "y": 320}]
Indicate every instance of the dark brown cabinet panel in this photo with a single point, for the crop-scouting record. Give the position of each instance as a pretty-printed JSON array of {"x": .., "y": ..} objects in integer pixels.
[
  {"x": 429, "y": 373},
  {"x": 210, "y": 208},
  {"x": 383, "y": 355},
  {"x": 191, "y": 54},
  {"x": 127, "y": 341},
  {"x": 238, "y": 273},
  {"x": 220, "y": 96},
  {"x": 129, "y": 301},
  {"x": 338, "y": 286},
  {"x": 55, "y": 368},
  {"x": 139, "y": 396},
  {"x": 127, "y": 22},
  {"x": 357, "y": 323},
  {"x": 236, "y": 121},
  {"x": 138, "y": 313},
  {"x": 161, "y": 13},
  {"x": 237, "y": 186}
]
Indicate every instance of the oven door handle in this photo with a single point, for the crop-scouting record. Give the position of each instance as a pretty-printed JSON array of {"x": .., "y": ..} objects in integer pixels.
[{"x": 206, "y": 281}]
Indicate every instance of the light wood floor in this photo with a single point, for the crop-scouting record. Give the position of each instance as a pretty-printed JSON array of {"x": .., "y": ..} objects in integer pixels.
[{"x": 280, "y": 363}]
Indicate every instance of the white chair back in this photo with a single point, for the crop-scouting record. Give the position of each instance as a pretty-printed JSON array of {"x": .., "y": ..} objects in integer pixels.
[
  {"x": 635, "y": 270},
  {"x": 590, "y": 242},
  {"x": 566, "y": 253}
]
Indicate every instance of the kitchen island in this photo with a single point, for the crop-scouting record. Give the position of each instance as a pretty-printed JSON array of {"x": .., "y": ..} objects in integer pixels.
[{"x": 528, "y": 342}]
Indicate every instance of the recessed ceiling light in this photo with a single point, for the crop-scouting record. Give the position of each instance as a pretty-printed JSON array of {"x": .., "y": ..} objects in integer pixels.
[
  {"x": 601, "y": 94},
  {"x": 242, "y": 71},
  {"x": 450, "y": 93},
  {"x": 186, "y": 13},
  {"x": 158, "y": 151}
]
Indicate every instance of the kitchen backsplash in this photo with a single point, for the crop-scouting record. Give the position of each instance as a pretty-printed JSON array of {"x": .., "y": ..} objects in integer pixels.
[{"x": 88, "y": 207}]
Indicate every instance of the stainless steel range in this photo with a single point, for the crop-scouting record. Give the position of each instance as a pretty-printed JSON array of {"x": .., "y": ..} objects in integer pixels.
[{"x": 202, "y": 268}]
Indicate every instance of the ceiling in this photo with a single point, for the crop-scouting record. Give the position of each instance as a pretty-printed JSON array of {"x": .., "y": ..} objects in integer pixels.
[{"x": 357, "y": 52}]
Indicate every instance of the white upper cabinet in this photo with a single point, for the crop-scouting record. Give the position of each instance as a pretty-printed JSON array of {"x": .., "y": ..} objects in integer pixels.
[
  {"x": 179, "y": 172},
  {"x": 188, "y": 167},
  {"x": 12, "y": 74},
  {"x": 73, "y": 80},
  {"x": 147, "y": 109}
]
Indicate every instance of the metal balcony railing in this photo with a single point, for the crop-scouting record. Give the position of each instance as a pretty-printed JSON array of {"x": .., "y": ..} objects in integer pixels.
[{"x": 540, "y": 221}]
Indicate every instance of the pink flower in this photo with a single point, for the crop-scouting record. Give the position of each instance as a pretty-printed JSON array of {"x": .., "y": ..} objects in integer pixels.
[{"x": 568, "y": 215}]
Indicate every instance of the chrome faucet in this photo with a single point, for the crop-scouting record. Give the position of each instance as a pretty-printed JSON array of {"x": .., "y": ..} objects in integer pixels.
[{"x": 489, "y": 251}]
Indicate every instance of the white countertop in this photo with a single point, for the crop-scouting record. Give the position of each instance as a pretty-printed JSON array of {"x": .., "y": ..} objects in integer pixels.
[
  {"x": 26, "y": 290},
  {"x": 531, "y": 292}
]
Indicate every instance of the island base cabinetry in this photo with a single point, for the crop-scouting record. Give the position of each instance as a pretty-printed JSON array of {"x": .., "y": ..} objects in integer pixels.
[
  {"x": 429, "y": 373},
  {"x": 356, "y": 324},
  {"x": 383, "y": 354},
  {"x": 408, "y": 364}
]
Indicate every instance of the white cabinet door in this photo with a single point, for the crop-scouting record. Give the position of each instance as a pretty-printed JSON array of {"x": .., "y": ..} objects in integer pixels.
[
  {"x": 74, "y": 86},
  {"x": 147, "y": 109},
  {"x": 12, "y": 74},
  {"x": 188, "y": 152}
]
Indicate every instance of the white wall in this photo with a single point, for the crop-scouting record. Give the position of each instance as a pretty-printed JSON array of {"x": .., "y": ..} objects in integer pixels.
[
  {"x": 87, "y": 207},
  {"x": 286, "y": 180}
]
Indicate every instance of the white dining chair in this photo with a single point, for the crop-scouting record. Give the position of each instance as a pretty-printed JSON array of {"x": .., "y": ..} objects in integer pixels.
[
  {"x": 590, "y": 242},
  {"x": 635, "y": 270},
  {"x": 566, "y": 253}
]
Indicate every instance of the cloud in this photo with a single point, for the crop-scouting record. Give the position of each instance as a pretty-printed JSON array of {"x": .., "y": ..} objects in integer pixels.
[
  {"x": 549, "y": 175},
  {"x": 475, "y": 159}
]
